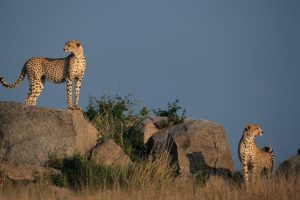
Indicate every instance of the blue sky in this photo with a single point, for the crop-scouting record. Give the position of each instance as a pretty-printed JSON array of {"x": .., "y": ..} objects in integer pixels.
[{"x": 232, "y": 62}]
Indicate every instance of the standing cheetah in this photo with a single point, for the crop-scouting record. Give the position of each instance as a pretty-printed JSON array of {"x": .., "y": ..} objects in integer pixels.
[
  {"x": 57, "y": 70},
  {"x": 253, "y": 159}
]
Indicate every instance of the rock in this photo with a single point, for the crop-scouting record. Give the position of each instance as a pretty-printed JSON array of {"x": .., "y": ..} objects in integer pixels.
[
  {"x": 39, "y": 191},
  {"x": 149, "y": 126},
  {"x": 110, "y": 154},
  {"x": 25, "y": 173},
  {"x": 290, "y": 168},
  {"x": 29, "y": 135},
  {"x": 146, "y": 129},
  {"x": 160, "y": 122},
  {"x": 195, "y": 145}
]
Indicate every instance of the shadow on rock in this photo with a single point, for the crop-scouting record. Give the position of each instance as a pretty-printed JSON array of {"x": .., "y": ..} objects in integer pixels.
[{"x": 202, "y": 172}]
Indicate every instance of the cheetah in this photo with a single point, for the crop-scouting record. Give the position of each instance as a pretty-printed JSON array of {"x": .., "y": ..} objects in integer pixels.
[
  {"x": 253, "y": 159},
  {"x": 57, "y": 70}
]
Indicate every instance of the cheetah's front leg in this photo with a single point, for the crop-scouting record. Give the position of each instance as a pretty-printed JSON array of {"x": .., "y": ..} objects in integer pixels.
[
  {"x": 245, "y": 171},
  {"x": 69, "y": 94},
  {"x": 254, "y": 172},
  {"x": 77, "y": 93}
]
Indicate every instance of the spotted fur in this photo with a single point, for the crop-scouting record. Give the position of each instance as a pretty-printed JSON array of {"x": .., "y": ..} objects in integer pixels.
[
  {"x": 57, "y": 70},
  {"x": 254, "y": 160}
]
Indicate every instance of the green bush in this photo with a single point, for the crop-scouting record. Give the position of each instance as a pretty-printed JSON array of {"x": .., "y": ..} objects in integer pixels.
[
  {"x": 115, "y": 118},
  {"x": 134, "y": 145},
  {"x": 171, "y": 113},
  {"x": 57, "y": 179},
  {"x": 78, "y": 173}
]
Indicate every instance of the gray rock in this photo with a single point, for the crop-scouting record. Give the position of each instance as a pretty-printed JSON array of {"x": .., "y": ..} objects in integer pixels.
[
  {"x": 150, "y": 126},
  {"x": 160, "y": 122},
  {"x": 290, "y": 168},
  {"x": 110, "y": 154},
  {"x": 29, "y": 135},
  {"x": 146, "y": 129},
  {"x": 196, "y": 146},
  {"x": 26, "y": 173}
]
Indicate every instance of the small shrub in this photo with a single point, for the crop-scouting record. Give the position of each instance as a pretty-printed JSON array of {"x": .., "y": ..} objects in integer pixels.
[
  {"x": 57, "y": 179},
  {"x": 78, "y": 173},
  {"x": 134, "y": 145},
  {"x": 171, "y": 113},
  {"x": 115, "y": 118}
]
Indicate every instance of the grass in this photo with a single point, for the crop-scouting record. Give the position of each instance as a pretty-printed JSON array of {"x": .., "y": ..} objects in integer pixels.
[
  {"x": 146, "y": 179},
  {"x": 79, "y": 173},
  {"x": 275, "y": 189}
]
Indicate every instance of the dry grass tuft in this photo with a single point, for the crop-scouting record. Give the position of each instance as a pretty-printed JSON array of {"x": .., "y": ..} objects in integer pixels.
[
  {"x": 152, "y": 180},
  {"x": 151, "y": 174}
]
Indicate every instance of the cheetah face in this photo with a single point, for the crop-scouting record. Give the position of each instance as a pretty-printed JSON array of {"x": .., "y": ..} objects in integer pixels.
[
  {"x": 253, "y": 130},
  {"x": 73, "y": 47}
]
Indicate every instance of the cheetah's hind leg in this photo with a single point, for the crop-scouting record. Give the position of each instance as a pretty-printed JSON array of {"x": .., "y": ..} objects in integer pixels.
[{"x": 35, "y": 89}]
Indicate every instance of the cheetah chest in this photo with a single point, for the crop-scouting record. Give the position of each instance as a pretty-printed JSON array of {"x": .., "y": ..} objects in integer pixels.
[
  {"x": 77, "y": 68},
  {"x": 248, "y": 150}
]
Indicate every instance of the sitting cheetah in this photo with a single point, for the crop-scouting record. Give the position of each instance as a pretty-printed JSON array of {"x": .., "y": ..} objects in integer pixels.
[
  {"x": 253, "y": 159},
  {"x": 57, "y": 70}
]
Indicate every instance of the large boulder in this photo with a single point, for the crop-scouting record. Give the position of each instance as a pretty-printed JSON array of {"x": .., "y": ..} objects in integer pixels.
[
  {"x": 29, "y": 135},
  {"x": 290, "y": 168},
  {"x": 196, "y": 146},
  {"x": 108, "y": 153}
]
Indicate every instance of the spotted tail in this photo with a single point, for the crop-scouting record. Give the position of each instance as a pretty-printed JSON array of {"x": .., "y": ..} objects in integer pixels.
[{"x": 15, "y": 84}]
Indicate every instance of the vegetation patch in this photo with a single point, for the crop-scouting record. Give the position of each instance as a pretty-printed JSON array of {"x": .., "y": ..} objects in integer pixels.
[
  {"x": 115, "y": 118},
  {"x": 79, "y": 173},
  {"x": 171, "y": 113}
]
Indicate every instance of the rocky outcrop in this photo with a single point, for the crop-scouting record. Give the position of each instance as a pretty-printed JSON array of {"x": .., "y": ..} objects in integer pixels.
[
  {"x": 290, "y": 168},
  {"x": 196, "y": 146},
  {"x": 110, "y": 154},
  {"x": 29, "y": 135},
  {"x": 25, "y": 173}
]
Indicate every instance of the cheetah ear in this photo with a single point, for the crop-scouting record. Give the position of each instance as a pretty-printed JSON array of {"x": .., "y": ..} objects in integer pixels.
[
  {"x": 247, "y": 128},
  {"x": 78, "y": 44}
]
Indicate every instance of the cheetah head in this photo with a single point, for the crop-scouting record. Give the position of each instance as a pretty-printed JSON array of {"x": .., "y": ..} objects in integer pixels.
[
  {"x": 73, "y": 47},
  {"x": 253, "y": 130}
]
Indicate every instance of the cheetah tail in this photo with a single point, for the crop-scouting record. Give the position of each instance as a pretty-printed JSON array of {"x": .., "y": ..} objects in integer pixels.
[
  {"x": 15, "y": 84},
  {"x": 267, "y": 149}
]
